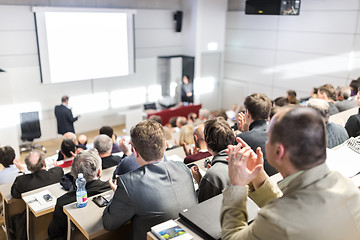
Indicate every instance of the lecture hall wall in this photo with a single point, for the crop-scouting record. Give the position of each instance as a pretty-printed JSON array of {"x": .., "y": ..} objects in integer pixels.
[
  {"x": 21, "y": 90},
  {"x": 272, "y": 54}
]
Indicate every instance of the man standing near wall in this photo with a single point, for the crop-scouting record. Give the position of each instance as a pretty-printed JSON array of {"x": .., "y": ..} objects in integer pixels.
[{"x": 64, "y": 117}]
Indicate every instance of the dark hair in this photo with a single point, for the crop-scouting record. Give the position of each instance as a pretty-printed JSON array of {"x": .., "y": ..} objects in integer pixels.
[
  {"x": 156, "y": 118},
  {"x": 355, "y": 85},
  {"x": 107, "y": 131},
  {"x": 306, "y": 144},
  {"x": 148, "y": 139},
  {"x": 328, "y": 90},
  {"x": 258, "y": 105},
  {"x": 7, "y": 156},
  {"x": 291, "y": 96},
  {"x": 218, "y": 134},
  {"x": 172, "y": 121},
  {"x": 64, "y": 98},
  {"x": 38, "y": 165},
  {"x": 222, "y": 114},
  {"x": 281, "y": 101},
  {"x": 68, "y": 146}
]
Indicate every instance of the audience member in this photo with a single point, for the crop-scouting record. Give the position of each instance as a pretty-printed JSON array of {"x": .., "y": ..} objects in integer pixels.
[
  {"x": 78, "y": 148},
  {"x": 327, "y": 93},
  {"x": 128, "y": 163},
  {"x": 354, "y": 86},
  {"x": 344, "y": 101},
  {"x": 39, "y": 177},
  {"x": 180, "y": 122},
  {"x": 191, "y": 118},
  {"x": 186, "y": 135},
  {"x": 200, "y": 150},
  {"x": 291, "y": 97},
  {"x": 352, "y": 125},
  {"x": 305, "y": 203},
  {"x": 103, "y": 145},
  {"x": 89, "y": 164},
  {"x": 280, "y": 102},
  {"x": 11, "y": 165},
  {"x": 64, "y": 117},
  {"x": 257, "y": 111},
  {"x": 335, "y": 133},
  {"x": 204, "y": 114},
  {"x": 109, "y": 131},
  {"x": 156, "y": 118},
  {"x": 218, "y": 135},
  {"x": 153, "y": 193},
  {"x": 82, "y": 140}
]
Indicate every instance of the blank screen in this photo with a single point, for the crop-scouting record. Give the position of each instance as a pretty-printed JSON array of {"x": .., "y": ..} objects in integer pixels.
[{"x": 84, "y": 45}]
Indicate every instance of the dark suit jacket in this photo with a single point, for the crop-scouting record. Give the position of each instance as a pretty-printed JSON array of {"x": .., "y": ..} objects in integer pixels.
[
  {"x": 150, "y": 195},
  {"x": 110, "y": 161},
  {"x": 352, "y": 125},
  {"x": 42, "y": 178},
  {"x": 65, "y": 119},
  {"x": 58, "y": 225},
  {"x": 256, "y": 137}
]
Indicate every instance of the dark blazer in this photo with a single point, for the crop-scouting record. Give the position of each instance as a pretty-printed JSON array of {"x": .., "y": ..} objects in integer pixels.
[
  {"x": 58, "y": 225},
  {"x": 257, "y": 137},
  {"x": 150, "y": 195},
  {"x": 110, "y": 161},
  {"x": 42, "y": 178},
  {"x": 65, "y": 119},
  {"x": 352, "y": 125}
]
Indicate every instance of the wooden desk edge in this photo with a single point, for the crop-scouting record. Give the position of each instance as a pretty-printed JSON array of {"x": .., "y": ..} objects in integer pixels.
[{"x": 75, "y": 222}]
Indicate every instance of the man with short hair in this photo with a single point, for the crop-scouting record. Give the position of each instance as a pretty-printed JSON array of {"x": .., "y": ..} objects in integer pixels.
[
  {"x": 335, "y": 133},
  {"x": 88, "y": 163},
  {"x": 352, "y": 125},
  {"x": 39, "y": 177},
  {"x": 153, "y": 193},
  {"x": 104, "y": 146},
  {"x": 218, "y": 135},
  {"x": 200, "y": 150},
  {"x": 311, "y": 202},
  {"x": 254, "y": 124},
  {"x": 344, "y": 101},
  {"x": 64, "y": 117},
  {"x": 109, "y": 131},
  {"x": 327, "y": 93}
]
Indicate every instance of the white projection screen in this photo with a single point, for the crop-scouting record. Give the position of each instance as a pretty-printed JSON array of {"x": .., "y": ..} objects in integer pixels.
[{"x": 83, "y": 44}]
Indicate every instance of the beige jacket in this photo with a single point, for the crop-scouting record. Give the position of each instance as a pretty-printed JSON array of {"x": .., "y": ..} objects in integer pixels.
[{"x": 318, "y": 204}]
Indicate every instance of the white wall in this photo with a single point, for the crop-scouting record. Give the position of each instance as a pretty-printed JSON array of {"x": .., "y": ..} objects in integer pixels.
[
  {"x": 20, "y": 84},
  {"x": 272, "y": 54}
]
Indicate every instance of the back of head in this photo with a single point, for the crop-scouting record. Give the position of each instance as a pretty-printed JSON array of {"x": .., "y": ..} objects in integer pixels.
[
  {"x": 68, "y": 146},
  {"x": 204, "y": 114},
  {"x": 87, "y": 162},
  {"x": 103, "y": 144},
  {"x": 328, "y": 90},
  {"x": 71, "y": 136},
  {"x": 64, "y": 99},
  {"x": 320, "y": 105},
  {"x": 218, "y": 134},
  {"x": 281, "y": 101},
  {"x": 156, "y": 118},
  {"x": 82, "y": 139},
  {"x": 354, "y": 85},
  {"x": 258, "y": 105},
  {"x": 181, "y": 121},
  {"x": 343, "y": 91},
  {"x": 107, "y": 131},
  {"x": 7, "y": 156},
  {"x": 148, "y": 139},
  {"x": 301, "y": 130},
  {"x": 186, "y": 135},
  {"x": 35, "y": 161},
  {"x": 222, "y": 114},
  {"x": 291, "y": 96},
  {"x": 172, "y": 122}
]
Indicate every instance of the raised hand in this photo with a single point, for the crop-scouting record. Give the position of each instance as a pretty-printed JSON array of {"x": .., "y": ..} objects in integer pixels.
[{"x": 242, "y": 125}]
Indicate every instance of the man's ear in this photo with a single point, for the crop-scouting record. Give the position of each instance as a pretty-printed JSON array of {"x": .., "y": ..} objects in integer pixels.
[
  {"x": 196, "y": 138},
  {"x": 99, "y": 173},
  {"x": 136, "y": 154},
  {"x": 280, "y": 151}
]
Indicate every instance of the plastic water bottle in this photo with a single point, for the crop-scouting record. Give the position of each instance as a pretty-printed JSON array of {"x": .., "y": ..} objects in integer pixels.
[{"x": 81, "y": 194}]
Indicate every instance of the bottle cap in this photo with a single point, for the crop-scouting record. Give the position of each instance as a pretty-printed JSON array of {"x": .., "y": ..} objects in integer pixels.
[{"x": 80, "y": 175}]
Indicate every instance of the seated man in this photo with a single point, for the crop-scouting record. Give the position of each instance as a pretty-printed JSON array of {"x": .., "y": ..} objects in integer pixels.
[
  {"x": 254, "y": 124},
  {"x": 352, "y": 125},
  {"x": 335, "y": 133},
  {"x": 39, "y": 177},
  {"x": 12, "y": 166},
  {"x": 343, "y": 99},
  {"x": 104, "y": 146},
  {"x": 109, "y": 131},
  {"x": 200, "y": 151},
  {"x": 327, "y": 93},
  {"x": 153, "y": 193},
  {"x": 313, "y": 203},
  {"x": 88, "y": 163},
  {"x": 218, "y": 135},
  {"x": 68, "y": 150}
]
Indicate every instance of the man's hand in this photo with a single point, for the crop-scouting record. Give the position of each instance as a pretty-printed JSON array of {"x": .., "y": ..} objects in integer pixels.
[
  {"x": 186, "y": 149},
  {"x": 112, "y": 184},
  {"x": 242, "y": 125},
  {"x": 196, "y": 174},
  {"x": 18, "y": 165},
  {"x": 244, "y": 164},
  {"x": 123, "y": 147}
]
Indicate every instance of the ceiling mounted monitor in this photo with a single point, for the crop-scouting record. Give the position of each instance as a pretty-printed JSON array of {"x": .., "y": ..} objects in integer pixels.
[{"x": 273, "y": 7}]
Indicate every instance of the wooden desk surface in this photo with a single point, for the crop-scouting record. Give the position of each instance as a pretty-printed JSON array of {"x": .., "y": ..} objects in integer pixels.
[
  {"x": 55, "y": 189},
  {"x": 90, "y": 227},
  {"x": 179, "y": 151}
]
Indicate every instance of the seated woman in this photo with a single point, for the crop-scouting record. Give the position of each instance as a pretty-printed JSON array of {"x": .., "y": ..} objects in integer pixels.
[{"x": 11, "y": 164}]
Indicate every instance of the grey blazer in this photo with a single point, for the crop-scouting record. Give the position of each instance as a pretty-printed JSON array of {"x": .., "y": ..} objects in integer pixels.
[{"x": 150, "y": 195}]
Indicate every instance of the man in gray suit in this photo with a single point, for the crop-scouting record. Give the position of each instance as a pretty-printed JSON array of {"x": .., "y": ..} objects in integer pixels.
[{"x": 153, "y": 193}]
